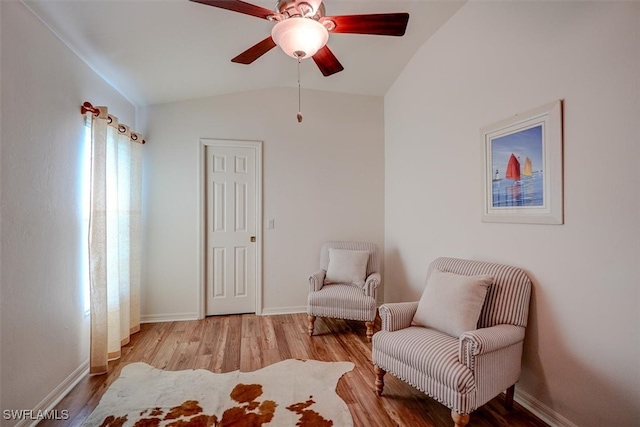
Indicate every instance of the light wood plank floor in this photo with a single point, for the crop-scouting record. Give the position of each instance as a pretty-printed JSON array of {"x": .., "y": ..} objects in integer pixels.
[{"x": 249, "y": 342}]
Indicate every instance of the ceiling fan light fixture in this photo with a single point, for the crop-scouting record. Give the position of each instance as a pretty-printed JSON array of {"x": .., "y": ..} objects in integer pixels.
[{"x": 300, "y": 37}]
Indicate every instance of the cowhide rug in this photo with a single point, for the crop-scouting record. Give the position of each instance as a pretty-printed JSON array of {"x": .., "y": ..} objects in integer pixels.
[{"x": 288, "y": 393}]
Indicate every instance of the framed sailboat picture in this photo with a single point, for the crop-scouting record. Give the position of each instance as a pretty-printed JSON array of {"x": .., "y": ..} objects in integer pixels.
[{"x": 522, "y": 163}]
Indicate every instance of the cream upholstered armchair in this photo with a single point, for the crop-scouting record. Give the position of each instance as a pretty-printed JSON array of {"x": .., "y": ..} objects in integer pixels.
[
  {"x": 346, "y": 285},
  {"x": 434, "y": 345}
]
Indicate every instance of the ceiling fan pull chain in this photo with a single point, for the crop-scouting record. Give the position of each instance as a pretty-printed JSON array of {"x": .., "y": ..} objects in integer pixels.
[{"x": 299, "y": 115}]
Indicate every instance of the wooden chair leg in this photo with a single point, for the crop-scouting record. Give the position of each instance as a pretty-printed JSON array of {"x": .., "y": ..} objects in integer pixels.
[
  {"x": 312, "y": 320},
  {"x": 379, "y": 383},
  {"x": 460, "y": 420},
  {"x": 369, "y": 330},
  {"x": 508, "y": 400}
]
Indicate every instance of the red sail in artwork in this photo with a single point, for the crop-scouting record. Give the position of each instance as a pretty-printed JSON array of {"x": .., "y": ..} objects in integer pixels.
[{"x": 513, "y": 168}]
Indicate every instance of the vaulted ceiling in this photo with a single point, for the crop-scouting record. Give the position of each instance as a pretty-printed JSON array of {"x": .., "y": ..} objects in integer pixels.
[{"x": 157, "y": 51}]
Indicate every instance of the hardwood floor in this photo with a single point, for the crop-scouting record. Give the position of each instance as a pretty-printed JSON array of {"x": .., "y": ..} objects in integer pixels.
[{"x": 250, "y": 342}]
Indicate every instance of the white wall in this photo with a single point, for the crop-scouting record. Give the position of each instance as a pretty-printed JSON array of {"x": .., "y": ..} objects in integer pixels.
[
  {"x": 489, "y": 62},
  {"x": 323, "y": 180},
  {"x": 44, "y": 333}
]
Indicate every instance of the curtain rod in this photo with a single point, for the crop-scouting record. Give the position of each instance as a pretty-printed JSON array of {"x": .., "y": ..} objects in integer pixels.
[{"x": 87, "y": 107}]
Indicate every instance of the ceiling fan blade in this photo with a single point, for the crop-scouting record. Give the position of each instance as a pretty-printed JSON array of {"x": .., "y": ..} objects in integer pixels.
[
  {"x": 327, "y": 62},
  {"x": 382, "y": 24},
  {"x": 255, "y": 51},
  {"x": 239, "y": 6}
]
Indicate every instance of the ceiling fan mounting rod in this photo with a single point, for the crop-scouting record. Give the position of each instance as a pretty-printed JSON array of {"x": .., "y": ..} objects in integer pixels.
[
  {"x": 295, "y": 8},
  {"x": 286, "y": 9},
  {"x": 304, "y": 8}
]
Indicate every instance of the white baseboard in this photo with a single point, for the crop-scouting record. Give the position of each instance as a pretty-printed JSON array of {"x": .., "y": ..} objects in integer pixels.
[
  {"x": 170, "y": 317},
  {"x": 283, "y": 310},
  {"x": 177, "y": 317},
  {"x": 48, "y": 403},
  {"x": 541, "y": 410}
]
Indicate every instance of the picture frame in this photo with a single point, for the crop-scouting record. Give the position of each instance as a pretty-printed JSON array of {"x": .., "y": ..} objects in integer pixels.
[{"x": 522, "y": 167}]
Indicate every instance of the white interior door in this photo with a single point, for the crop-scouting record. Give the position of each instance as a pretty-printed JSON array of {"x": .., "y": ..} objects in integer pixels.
[{"x": 232, "y": 216}]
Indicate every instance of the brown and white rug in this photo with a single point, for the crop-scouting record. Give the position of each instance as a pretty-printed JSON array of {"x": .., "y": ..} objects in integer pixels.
[{"x": 288, "y": 393}]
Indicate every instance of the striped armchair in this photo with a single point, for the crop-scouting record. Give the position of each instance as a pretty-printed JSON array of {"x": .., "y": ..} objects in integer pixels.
[
  {"x": 465, "y": 372},
  {"x": 345, "y": 301}
]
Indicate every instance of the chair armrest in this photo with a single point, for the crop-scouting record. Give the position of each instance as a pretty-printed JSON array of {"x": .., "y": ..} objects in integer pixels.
[
  {"x": 486, "y": 340},
  {"x": 316, "y": 280},
  {"x": 371, "y": 284},
  {"x": 397, "y": 315}
]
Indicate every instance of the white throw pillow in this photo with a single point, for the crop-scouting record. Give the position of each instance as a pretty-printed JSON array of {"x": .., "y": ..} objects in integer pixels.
[
  {"x": 347, "y": 266},
  {"x": 451, "y": 303}
]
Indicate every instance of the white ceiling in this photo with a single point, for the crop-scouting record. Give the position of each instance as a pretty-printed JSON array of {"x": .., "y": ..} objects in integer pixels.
[{"x": 157, "y": 51}]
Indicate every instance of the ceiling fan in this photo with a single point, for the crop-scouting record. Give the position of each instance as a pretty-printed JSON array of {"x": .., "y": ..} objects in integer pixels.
[{"x": 302, "y": 30}]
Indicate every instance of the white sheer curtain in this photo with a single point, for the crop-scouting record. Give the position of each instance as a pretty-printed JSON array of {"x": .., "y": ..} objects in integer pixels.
[{"x": 114, "y": 238}]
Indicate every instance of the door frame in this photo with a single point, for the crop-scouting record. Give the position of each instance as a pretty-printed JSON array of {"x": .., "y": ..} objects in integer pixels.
[{"x": 202, "y": 226}]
